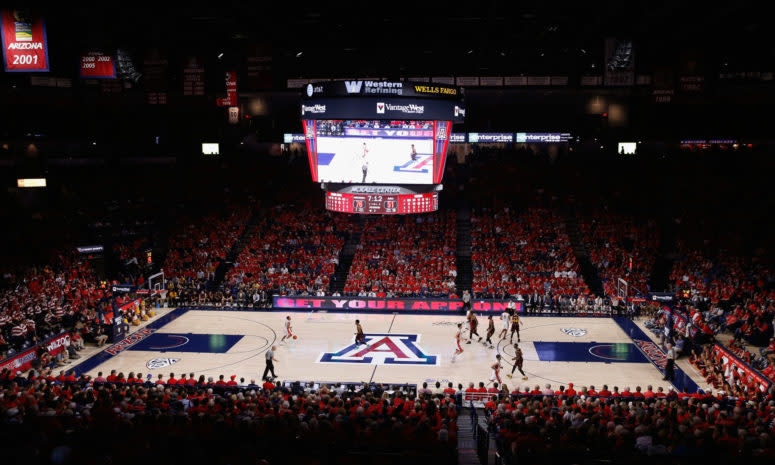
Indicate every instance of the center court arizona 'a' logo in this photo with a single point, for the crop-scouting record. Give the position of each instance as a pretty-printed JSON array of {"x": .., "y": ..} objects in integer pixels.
[
  {"x": 575, "y": 332},
  {"x": 382, "y": 349}
]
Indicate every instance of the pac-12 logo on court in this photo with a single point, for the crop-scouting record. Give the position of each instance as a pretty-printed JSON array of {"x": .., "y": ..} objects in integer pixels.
[
  {"x": 156, "y": 363},
  {"x": 382, "y": 349},
  {"x": 575, "y": 332}
]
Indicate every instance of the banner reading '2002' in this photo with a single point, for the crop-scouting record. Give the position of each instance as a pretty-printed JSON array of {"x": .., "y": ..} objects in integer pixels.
[{"x": 24, "y": 42}]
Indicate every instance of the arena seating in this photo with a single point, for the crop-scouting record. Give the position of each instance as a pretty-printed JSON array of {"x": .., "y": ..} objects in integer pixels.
[
  {"x": 209, "y": 421},
  {"x": 44, "y": 301},
  {"x": 613, "y": 241},
  {"x": 197, "y": 247},
  {"x": 405, "y": 256},
  {"x": 290, "y": 252},
  {"x": 523, "y": 254},
  {"x": 538, "y": 428}
]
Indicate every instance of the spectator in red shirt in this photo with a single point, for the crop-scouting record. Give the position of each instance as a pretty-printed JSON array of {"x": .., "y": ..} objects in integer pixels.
[
  {"x": 570, "y": 391},
  {"x": 171, "y": 380}
]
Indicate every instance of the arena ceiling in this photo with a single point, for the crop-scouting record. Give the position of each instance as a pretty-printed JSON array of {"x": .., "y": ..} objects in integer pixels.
[{"x": 416, "y": 37}]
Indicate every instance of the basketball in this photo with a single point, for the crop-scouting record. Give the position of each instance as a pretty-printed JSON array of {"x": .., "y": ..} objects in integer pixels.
[{"x": 294, "y": 336}]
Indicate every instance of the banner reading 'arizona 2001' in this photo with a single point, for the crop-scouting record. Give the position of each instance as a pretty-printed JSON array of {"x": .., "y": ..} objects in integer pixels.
[{"x": 24, "y": 42}]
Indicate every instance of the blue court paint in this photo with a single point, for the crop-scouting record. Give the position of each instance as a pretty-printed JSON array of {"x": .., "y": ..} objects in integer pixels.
[
  {"x": 102, "y": 357},
  {"x": 189, "y": 342},
  {"x": 414, "y": 166},
  {"x": 588, "y": 352},
  {"x": 325, "y": 158},
  {"x": 681, "y": 381}
]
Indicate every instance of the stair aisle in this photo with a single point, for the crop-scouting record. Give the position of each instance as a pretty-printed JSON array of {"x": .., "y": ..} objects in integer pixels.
[
  {"x": 339, "y": 279},
  {"x": 236, "y": 249},
  {"x": 465, "y": 273},
  {"x": 588, "y": 270},
  {"x": 466, "y": 439},
  {"x": 666, "y": 255}
]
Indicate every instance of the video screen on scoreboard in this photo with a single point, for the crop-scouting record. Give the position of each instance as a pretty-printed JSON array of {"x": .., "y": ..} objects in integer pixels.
[{"x": 389, "y": 152}]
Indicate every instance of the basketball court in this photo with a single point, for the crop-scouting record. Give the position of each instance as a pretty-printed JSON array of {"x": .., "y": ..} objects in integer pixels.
[{"x": 400, "y": 348}]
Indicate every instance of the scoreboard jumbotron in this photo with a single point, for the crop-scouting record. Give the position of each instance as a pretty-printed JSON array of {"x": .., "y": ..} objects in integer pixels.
[{"x": 379, "y": 147}]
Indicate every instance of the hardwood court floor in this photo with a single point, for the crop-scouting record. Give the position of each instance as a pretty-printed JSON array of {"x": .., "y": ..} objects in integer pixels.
[{"x": 400, "y": 349}]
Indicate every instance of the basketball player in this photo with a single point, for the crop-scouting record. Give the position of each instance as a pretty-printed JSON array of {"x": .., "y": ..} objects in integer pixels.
[
  {"x": 359, "y": 337},
  {"x": 505, "y": 322},
  {"x": 515, "y": 324},
  {"x": 517, "y": 363},
  {"x": 288, "y": 334},
  {"x": 472, "y": 324},
  {"x": 458, "y": 336},
  {"x": 414, "y": 153},
  {"x": 495, "y": 377},
  {"x": 490, "y": 331},
  {"x": 364, "y": 162}
]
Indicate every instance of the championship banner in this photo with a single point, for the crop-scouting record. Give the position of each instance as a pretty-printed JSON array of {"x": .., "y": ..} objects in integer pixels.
[
  {"x": 378, "y": 303},
  {"x": 619, "y": 63},
  {"x": 734, "y": 367},
  {"x": 97, "y": 65},
  {"x": 194, "y": 76},
  {"x": 258, "y": 67},
  {"x": 231, "y": 91},
  {"x": 24, "y": 42}
]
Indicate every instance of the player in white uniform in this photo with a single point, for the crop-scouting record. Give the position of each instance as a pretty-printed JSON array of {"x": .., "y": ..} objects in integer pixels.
[
  {"x": 495, "y": 375},
  {"x": 505, "y": 322},
  {"x": 364, "y": 161},
  {"x": 288, "y": 334},
  {"x": 458, "y": 336}
]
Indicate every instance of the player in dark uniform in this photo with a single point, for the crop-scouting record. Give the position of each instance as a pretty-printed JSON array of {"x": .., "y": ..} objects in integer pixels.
[
  {"x": 490, "y": 331},
  {"x": 517, "y": 363},
  {"x": 515, "y": 324},
  {"x": 359, "y": 337},
  {"x": 414, "y": 153},
  {"x": 472, "y": 324}
]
